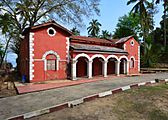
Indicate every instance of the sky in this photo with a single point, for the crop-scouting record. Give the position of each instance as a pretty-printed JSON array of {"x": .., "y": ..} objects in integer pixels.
[{"x": 110, "y": 11}]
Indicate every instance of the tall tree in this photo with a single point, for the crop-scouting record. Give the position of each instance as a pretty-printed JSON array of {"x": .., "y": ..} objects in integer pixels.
[
  {"x": 128, "y": 25},
  {"x": 141, "y": 7},
  {"x": 165, "y": 15},
  {"x": 94, "y": 28},
  {"x": 27, "y": 13},
  {"x": 7, "y": 31}
]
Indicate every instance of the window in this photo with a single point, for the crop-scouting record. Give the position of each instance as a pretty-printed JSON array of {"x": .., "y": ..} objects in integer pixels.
[
  {"x": 132, "y": 63},
  {"x": 51, "y": 31},
  {"x": 51, "y": 64},
  {"x": 132, "y": 42}
]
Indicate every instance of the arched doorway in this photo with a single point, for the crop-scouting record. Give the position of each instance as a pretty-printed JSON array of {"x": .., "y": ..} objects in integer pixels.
[
  {"x": 97, "y": 66},
  {"x": 81, "y": 67},
  {"x": 111, "y": 66},
  {"x": 123, "y": 66}
]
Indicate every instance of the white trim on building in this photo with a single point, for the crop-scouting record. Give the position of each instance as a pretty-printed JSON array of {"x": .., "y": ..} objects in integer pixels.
[{"x": 31, "y": 55}]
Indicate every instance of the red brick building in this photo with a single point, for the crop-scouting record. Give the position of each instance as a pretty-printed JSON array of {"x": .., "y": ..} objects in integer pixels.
[{"x": 49, "y": 51}]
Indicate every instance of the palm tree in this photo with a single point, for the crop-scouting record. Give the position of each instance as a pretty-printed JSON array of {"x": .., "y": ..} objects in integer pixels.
[
  {"x": 165, "y": 4},
  {"x": 105, "y": 34},
  {"x": 75, "y": 31},
  {"x": 94, "y": 28},
  {"x": 141, "y": 8}
]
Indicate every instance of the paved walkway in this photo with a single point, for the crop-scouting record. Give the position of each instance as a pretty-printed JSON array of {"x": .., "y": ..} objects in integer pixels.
[
  {"x": 34, "y": 87},
  {"x": 21, "y": 104}
]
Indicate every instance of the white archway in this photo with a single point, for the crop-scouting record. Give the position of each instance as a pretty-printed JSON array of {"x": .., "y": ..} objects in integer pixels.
[
  {"x": 112, "y": 56},
  {"x": 132, "y": 63},
  {"x": 98, "y": 56},
  {"x": 82, "y": 55},
  {"x": 125, "y": 64},
  {"x": 50, "y": 52},
  {"x": 121, "y": 57}
]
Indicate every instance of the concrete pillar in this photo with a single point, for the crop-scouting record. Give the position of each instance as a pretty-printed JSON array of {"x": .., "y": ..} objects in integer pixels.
[
  {"x": 73, "y": 69},
  {"x": 89, "y": 69},
  {"x": 117, "y": 68},
  {"x": 105, "y": 68}
]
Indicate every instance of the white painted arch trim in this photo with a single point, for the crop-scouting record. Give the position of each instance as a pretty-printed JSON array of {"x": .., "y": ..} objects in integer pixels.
[
  {"x": 45, "y": 61},
  {"x": 132, "y": 57},
  {"x": 123, "y": 57},
  {"x": 82, "y": 55},
  {"x": 98, "y": 56},
  {"x": 112, "y": 56}
]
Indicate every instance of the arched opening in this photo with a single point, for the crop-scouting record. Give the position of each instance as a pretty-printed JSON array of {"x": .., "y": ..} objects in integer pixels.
[
  {"x": 132, "y": 63},
  {"x": 123, "y": 66},
  {"x": 82, "y": 67},
  {"x": 111, "y": 66},
  {"x": 97, "y": 66}
]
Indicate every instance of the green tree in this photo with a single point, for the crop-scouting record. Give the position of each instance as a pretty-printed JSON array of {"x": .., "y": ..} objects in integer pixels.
[
  {"x": 27, "y": 13},
  {"x": 165, "y": 16},
  {"x": 141, "y": 7},
  {"x": 94, "y": 28},
  {"x": 7, "y": 31},
  {"x": 75, "y": 31},
  {"x": 128, "y": 25},
  {"x": 105, "y": 34}
]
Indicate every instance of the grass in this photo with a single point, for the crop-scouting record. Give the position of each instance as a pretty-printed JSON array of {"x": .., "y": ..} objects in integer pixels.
[{"x": 145, "y": 103}]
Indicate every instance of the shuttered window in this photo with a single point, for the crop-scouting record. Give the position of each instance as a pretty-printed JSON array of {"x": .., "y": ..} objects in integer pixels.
[{"x": 51, "y": 64}]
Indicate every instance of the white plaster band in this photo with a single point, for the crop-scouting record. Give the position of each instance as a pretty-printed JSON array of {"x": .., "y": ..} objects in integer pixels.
[
  {"x": 141, "y": 84},
  {"x": 75, "y": 102},
  {"x": 103, "y": 94},
  {"x": 152, "y": 81},
  {"x": 125, "y": 88}
]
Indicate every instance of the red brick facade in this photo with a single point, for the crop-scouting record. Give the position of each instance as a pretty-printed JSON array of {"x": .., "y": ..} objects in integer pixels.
[{"x": 49, "y": 51}]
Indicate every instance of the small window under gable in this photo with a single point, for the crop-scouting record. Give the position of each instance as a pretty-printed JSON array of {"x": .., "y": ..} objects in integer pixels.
[
  {"x": 132, "y": 42},
  {"x": 51, "y": 31}
]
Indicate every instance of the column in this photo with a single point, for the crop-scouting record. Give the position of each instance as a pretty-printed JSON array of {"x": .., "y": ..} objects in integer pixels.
[
  {"x": 73, "y": 69},
  {"x": 117, "y": 68},
  {"x": 89, "y": 69},
  {"x": 128, "y": 67},
  {"x": 105, "y": 68}
]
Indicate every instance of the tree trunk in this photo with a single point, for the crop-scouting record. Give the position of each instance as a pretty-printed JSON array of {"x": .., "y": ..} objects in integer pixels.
[{"x": 3, "y": 55}]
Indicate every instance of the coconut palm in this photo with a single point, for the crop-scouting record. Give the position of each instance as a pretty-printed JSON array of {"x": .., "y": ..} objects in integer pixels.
[
  {"x": 94, "y": 28},
  {"x": 75, "y": 31},
  {"x": 105, "y": 34}
]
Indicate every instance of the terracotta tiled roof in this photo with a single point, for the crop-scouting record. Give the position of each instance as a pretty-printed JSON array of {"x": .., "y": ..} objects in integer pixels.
[
  {"x": 91, "y": 39},
  {"x": 86, "y": 47},
  {"x": 52, "y": 22}
]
